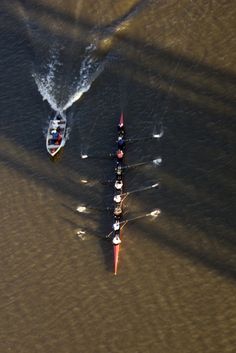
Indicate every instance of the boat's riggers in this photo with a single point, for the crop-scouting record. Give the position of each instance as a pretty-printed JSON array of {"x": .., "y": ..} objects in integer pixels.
[
  {"x": 156, "y": 161},
  {"x": 119, "y": 195}
]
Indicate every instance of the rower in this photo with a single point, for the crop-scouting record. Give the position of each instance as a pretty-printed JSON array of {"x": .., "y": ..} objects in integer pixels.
[
  {"x": 119, "y": 155},
  {"x": 118, "y": 169},
  {"x": 118, "y": 184},
  {"x": 117, "y": 212},
  {"x": 117, "y": 199},
  {"x": 116, "y": 226},
  {"x": 121, "y": 143},
  {"x": 121, "y": 129},
  {"x": 118, "y": 177},
  {"x": 116, "y": 240}
]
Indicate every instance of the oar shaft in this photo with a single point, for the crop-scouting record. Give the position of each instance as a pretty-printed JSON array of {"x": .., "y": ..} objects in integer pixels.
[
  {"x": 99, "y": 156},
  {"x": 141, "y": 189},
  {"x": 101, "y": 209},
  {"x": 139, "y": 139},
  {"x": 136, "y": 165}
]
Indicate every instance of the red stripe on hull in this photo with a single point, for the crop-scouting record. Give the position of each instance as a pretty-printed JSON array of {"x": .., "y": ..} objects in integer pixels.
[
  {"x": 122, "y": 119},
  {"x": 116, "y": 257}
]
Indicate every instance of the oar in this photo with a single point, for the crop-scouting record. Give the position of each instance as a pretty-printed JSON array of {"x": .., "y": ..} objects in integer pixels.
[
  {"x": 85, "y": 209},
  {"x": 136, "y": 139},
  {"x": 155, "y": 213},
  {"x": 153, "y": 186},
  {"x": 153, "y": 136},
  {"x": 94, "y": 156},
  {"x": 156, "y": 161}
]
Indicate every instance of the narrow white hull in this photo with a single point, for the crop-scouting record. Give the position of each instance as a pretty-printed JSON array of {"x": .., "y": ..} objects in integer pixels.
[{"x": 56, "y": 135}]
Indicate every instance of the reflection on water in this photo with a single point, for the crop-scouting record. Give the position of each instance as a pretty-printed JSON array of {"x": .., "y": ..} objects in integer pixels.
[{"x": 167, "y": 64}]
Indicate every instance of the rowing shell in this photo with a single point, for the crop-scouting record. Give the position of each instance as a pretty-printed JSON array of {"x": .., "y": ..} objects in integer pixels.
[{"x": 116, "y": 247}]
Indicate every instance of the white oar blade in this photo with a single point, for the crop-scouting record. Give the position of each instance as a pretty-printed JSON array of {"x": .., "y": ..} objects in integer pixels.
[
  {"x": 155, "y": 213},
  {"x": 157, "y": 161},
  {"x": 158, "y": 136},
  {"x": 84, "y": 156},
  {"x": 81, "y": 234},
  {"x": 155, "y": 185},
  {"x": 81, "y": 209}
]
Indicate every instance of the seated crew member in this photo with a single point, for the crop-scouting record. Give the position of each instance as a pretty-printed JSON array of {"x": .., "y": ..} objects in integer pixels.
[
  {"x": 118, "y": 169},
  {"x": 117, "y": 212},
  {"x": 121, "y": 143},
  {"x": 116, "y": 240},
  {"x": 121, "y": 129},
  {"x": 119, "y": 155},
  {"x": 116, "y": 226},
  {"x": 118, "y": 184},
  {"x": 117, "y": 199},
  {"x": 118, "y": 177}
]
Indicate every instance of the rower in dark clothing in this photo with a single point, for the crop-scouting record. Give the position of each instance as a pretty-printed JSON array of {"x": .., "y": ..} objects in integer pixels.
[
  {"x": 118, "y": 212},
  {"x": 121, "y": 143},
  {"x": 119, "y": 177},
  {"x": 118, "y": 169},
  {"x": 121, "y": 129}
]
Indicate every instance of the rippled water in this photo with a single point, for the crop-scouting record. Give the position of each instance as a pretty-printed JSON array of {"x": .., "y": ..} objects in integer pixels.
[{"x": 165, "y": 63}]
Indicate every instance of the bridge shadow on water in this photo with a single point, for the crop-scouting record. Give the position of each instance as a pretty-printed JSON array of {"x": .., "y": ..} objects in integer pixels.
[{"x": 193, "y": 101}]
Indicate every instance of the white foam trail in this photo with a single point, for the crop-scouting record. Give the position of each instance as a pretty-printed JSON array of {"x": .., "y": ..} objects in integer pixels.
[
  {"x": 90, "y": 69},
  {"x": 157, "y": 161},
  {"x": 46, "y": 82}
]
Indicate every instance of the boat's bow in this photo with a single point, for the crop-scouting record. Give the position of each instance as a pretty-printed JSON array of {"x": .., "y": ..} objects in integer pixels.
[{"x": 116, "y": 249}]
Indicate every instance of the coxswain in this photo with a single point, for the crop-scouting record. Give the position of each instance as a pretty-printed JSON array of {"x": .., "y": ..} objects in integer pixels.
[
  {"x": 119, "y": 155},
  {"x": 121, "y": 143},
  {"x": 116, "y": 240},
  {"x": 118, "y": 184}
]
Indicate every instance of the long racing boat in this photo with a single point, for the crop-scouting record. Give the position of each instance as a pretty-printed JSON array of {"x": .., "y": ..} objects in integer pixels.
[
  {"x": 118, "y": 199},
  {"x": 119, "y": 195}
]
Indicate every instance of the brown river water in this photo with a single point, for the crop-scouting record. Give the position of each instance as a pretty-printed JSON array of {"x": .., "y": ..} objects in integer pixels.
[{"x": 169, "y": 64}]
